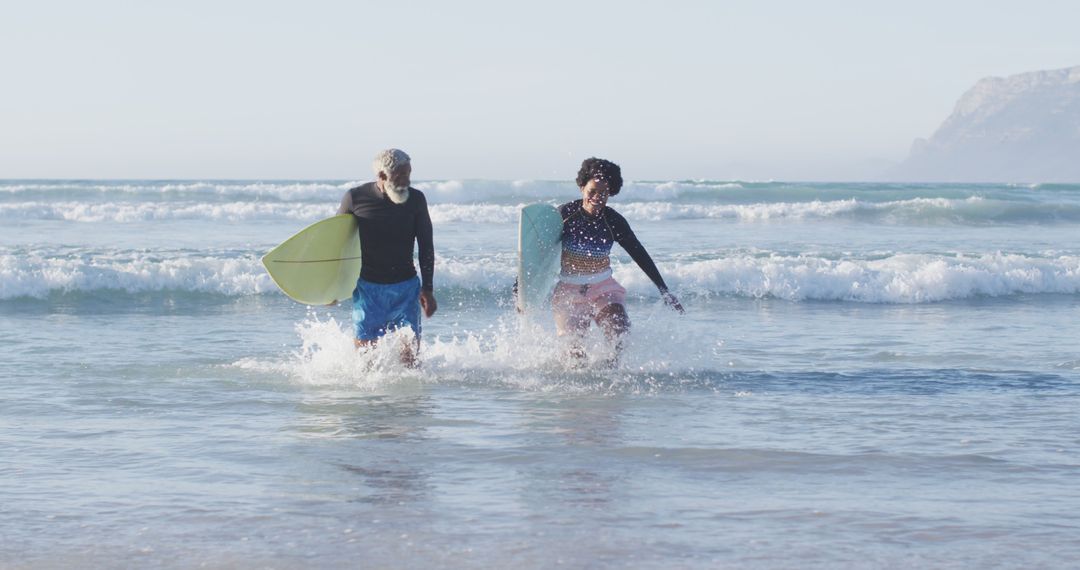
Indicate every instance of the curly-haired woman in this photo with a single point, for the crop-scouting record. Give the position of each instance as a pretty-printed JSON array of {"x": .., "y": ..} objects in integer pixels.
[{"x": 586, "y": 291}]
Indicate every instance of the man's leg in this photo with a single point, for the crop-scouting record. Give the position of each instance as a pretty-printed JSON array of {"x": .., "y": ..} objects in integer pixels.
[
  {"x": 363, "y": 336},
  {"x": 410, "y": 310},
  {"x": 409, "y": 349},
  {"x": 409, "y": 352}
]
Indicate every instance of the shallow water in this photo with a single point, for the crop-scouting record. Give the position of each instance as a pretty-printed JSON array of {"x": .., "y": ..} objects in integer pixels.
[{"x": 849, "y": 388}]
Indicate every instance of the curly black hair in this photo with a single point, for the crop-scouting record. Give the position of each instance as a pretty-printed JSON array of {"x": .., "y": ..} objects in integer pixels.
[{"x": 600, "y": 169}]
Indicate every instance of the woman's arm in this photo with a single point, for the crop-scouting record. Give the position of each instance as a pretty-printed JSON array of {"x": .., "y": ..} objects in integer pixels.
[{"x": 629, "y": 242}]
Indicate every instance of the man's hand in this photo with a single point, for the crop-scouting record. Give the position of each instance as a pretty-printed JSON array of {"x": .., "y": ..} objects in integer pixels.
[
  {"x": 427, "y": 302},
  {"x": 673, "y": 302}
]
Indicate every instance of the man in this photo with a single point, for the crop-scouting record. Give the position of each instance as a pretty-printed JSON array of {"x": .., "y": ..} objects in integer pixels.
[{"x": 392, "y": 216}]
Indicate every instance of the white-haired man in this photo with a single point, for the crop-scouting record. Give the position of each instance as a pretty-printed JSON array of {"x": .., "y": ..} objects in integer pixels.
[{"x": 392, "y": 217}]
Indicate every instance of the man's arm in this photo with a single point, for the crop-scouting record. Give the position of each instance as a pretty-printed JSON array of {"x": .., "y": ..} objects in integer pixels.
[{"x": 426, "y": 245}]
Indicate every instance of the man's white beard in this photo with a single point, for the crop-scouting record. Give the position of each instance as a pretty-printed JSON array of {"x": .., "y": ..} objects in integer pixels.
[{"x": 397, "y": 194}]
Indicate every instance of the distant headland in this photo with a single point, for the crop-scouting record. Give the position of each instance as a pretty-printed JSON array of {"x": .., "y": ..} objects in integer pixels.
[{"x": 1021, "y": 128}]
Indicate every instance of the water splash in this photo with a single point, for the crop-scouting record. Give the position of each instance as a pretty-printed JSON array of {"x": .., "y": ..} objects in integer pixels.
[{"x": 513, "y": 353}]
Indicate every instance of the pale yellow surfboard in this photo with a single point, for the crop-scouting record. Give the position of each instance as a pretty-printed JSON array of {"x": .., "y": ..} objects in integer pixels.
[{"x": 320, "y": 264}]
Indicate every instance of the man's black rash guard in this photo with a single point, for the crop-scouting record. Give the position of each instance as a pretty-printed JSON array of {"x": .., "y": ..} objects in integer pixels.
[
  {"x": 587, "y": 241},
  {"x": 387, "y": 233}
]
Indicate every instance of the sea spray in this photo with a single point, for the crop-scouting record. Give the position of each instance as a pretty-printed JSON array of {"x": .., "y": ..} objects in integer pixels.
[{"x": 517, "y": 352}]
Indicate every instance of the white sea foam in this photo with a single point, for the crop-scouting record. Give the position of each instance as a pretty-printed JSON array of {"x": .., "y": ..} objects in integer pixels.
[
  {"x": 916, "y": 211},
  {"x": 475, "y": 213},
  {"x": 896, "y": 278},
  {"x": 903, "y": 278},
  {"x": 652, "y": 211},
  {"x": 129, "y": 212},
  {"x": 37, "y": 276},
  {"x": 437, "y": 191},
  {"x": 558, "y": 190},
  {"x": 493, "y": 273},
  {"x": 498, "y": 201},
  {"x": 126, "y": 212},
  {"x": 282, "y": 190}
]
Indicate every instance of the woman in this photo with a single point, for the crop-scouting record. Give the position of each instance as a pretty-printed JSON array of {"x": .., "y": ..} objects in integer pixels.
[{"x": 586, "y": 290}]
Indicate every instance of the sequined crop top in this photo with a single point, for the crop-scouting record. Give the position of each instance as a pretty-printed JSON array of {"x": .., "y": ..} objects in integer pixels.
[{"x": 587, "y": 241}]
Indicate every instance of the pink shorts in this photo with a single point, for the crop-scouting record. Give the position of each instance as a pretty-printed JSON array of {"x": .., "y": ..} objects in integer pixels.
[{"x": 576, "y": 305}]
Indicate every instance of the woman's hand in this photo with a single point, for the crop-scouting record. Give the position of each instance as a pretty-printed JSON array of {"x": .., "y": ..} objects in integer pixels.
[{"x": 673, "y": 302}]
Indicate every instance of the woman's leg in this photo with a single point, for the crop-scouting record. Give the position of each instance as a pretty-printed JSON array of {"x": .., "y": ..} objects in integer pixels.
[
  {"x": 613, "y": 320},
  {"x": 572, "y": 317},
  {"x": 573, "y": 328},
  {"x": 615, "y": 323}
]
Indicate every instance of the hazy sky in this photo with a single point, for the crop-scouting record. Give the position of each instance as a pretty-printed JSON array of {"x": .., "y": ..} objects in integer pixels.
[{"x": 675, "y": 90}]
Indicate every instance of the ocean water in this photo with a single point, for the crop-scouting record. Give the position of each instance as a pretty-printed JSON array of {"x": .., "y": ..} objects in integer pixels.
[{"x": 866, "y": 376}]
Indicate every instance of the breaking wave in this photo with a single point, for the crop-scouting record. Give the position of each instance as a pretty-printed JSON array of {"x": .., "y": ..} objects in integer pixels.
[
  {"x": 917, "y": 211},
  {"x": 884, "y": 278}
]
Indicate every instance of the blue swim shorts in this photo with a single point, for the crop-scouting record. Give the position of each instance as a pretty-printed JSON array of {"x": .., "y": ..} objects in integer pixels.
[{"x": 382, "y": 307}]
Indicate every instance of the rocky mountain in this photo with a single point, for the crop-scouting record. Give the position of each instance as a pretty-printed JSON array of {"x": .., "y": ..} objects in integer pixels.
[{"x": 1022, "y": 128}]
